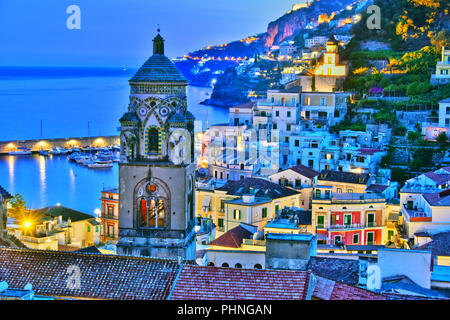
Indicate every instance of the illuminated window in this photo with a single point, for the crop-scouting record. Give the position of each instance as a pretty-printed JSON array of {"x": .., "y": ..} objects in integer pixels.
[{"x": 237, "y": 214}]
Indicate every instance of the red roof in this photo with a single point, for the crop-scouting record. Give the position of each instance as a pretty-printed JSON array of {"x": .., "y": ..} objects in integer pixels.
[
  {"x": 232, "y": 238},
  {"x": 305, "y": 171},
  {"x": 327, "y": 289},
  {"x": 213, "y": 283},
  {"x": 102, "y": 276}
]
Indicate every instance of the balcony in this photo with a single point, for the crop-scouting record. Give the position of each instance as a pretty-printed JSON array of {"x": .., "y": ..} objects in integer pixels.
[
  {"x": 346, "y": 226},
  {"x": 416, "y": 214}
]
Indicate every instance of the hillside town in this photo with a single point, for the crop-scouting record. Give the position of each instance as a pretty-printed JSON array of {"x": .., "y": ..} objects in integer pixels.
[{"x": 330, "y": 180}]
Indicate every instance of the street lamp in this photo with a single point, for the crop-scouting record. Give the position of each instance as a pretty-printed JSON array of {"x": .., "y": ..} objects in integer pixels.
[{"x": 97, "y": 212}]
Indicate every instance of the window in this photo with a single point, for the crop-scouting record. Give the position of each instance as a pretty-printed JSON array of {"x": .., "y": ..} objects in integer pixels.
[
  {"x": 110, "y": 211},
  {"x": 347, "y": 219},
  {"x": 220, "y": 223},
  {"x": 277, "y": 113},
  {"x": 370, "y": 238},
  {"x": 337, "y": 239},
  {"x": 153, "y": 140},
  {"x": 222, "y": 205},
  {"x": 390, "y": 235},
  {"x": 308, "y": 102},
  {"x": 371, "y": 219},
  {"x": 225, "y": 265},
  {"x": 275, "y": 126},
  {"x": 289, "y": 113},
  {"x": 258, "y": 266},
  {"x": 89, "y": 228},
  {"x": 318, "y": 193},
  {"x": 237, "y": 214},
  {"x": 350, "y": 190},
  {"x": 355, "y": 238},
  {"x": 210, "y": 264},
  {"x": 288, "y": 127},
  {"x": 327, "y": 194},
  {"x": 339, "y": 190},
  {"x": 323, "y": 101},
  {"x": 264, "y": 213},
  {"x": 238, "y": 266},
  {"x": 277, "y": 208},
  {"x": 298, "y": 183},
  {"x": 297, "y": 143},
  {"x": 311, "y": 163},
  {"x": 320, "y": 221},
  {"x": 110, "y": 231}
]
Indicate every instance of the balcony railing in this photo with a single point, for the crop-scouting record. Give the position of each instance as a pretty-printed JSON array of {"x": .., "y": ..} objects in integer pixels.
[{"x": 346, "y": 226}]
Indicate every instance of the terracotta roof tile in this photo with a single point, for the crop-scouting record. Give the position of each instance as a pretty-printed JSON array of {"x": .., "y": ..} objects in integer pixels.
[
  {"x": 327, "y": 289},
  {"x": 213, "y": 283},
  {"x": 262, "y": 187},
  {"x": 102, "y": 276},
  {"x": 232, "y": 238},
  {"x": 305, "y": 171},
  {"x": 342, "y": 270}
]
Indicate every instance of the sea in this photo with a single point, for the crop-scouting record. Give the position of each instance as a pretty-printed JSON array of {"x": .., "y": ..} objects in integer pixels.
[{"x": 44, "y": 103}]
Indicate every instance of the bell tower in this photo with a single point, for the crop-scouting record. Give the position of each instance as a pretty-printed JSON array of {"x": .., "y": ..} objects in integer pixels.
[{"x": 156, "y": 169}]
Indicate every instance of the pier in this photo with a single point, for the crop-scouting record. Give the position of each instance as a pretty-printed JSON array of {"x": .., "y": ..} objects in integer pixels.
[{"x": 47, "y": 144}]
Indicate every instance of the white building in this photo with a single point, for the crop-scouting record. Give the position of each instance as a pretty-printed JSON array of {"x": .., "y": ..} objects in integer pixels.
[{"x": 423, "y": 203}]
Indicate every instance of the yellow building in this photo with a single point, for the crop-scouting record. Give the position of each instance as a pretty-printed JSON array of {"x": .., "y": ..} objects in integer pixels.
[
  {"x": 442, "y": 74},
  {"x": 59, "y": 226},
  {"x": 340, "y": 182},
  {"x": 330, "y": 65},
  {"x": 251, "y": 200}
]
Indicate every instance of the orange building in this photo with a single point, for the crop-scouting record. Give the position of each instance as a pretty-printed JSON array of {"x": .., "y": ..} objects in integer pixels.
[
  {"x": 350, "y": 219},
  {"x": 110, "y": 215}
]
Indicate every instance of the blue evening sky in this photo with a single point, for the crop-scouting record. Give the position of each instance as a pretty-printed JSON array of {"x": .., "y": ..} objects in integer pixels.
[{"x": 120, "y": 32}]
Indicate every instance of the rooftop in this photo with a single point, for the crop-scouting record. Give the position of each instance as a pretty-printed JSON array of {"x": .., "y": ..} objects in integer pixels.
[
  {"x": 305, "y": 171},
  {"x": 257, "y": 187},
  {"x": 104, "y": 276},
  {"x": 213, "y": 283},
  {"x": 66, "y": 213},
  {"x": 342, "y": 270},
  {"x": 439, "y": 245},
  {"x": 438, "y": 199},
  {"x": 345, "y": 177},
  {"x": 232, "y": 238}
]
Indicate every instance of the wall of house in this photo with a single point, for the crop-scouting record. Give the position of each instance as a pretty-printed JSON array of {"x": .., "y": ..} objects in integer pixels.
[
  {"x": 414, "y": 264},
  {"x": 248, "y": 259},
  {"x": 289, "y": 254}
]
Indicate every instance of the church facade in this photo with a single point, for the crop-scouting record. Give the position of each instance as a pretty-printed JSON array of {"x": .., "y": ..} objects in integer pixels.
[{"x": 156, "y": 170}]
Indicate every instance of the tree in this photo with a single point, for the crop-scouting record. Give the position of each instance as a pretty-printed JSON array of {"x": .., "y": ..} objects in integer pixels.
[
  {"x": 422, "y": 158},
  {"x": 441, "y": 39},
  {"x": 442, "y": 139},
  {"x": 18, "y": 207}
]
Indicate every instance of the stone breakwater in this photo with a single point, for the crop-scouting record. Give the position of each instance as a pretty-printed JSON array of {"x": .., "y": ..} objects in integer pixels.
[{"x": 46, "y": 144}]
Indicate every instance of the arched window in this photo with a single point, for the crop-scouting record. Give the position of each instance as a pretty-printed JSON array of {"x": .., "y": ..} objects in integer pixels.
[
  {"x": 210, "y": 264},
  {"x": 258, "y": 266},
  {"x": 238, "y": 266},
  {"x": 143, "y": 212},
  {"x": 225, "y": 265},
  {"x": 152, "y": 213},
  {"x": 153, "y": 140}
]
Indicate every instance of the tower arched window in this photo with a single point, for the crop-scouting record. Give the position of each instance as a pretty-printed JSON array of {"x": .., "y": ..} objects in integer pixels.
[{"x": 153, "y": 140}]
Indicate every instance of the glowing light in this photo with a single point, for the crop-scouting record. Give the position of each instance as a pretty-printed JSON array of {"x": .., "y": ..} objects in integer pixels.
[
  {"x": 27, "y": 224},
  {"x": 97, "y": 212},
  {"x": 58, "y": 204}
]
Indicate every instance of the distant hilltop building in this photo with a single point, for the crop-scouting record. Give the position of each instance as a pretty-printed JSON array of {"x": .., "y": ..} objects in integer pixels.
[
  {"x": 330, "y": 65},
  {"x": 442, "y": 75},
  {"x": 301, "y": 4}
]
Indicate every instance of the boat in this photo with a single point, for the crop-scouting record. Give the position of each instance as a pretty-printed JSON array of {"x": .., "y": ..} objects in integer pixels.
[
  {"x": 43, "y": 152},
  {"x": 56, "y": 151},
  {"x": 100, "y": 164},
  {"x": 105, "y": 155},
  {"x": 20, "y": 151}
]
